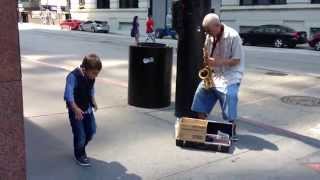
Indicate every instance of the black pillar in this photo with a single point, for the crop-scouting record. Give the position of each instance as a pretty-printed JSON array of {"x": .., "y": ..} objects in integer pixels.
[
  {"x": 150, "y": 9},
  {"x": 187, "y": 21}
]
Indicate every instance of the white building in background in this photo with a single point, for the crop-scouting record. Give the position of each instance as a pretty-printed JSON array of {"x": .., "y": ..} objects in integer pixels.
[
  {"x": 30, "y": 10},
  {"x": 302, "y": 15},
  {"x": 34, "y": 5},
  {"x": 119, "y": 13},
  {"x": 54, "y": 4}
]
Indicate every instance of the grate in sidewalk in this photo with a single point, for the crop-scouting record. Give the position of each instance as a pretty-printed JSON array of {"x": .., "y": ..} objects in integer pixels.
[{"x": 307, "y": 101}]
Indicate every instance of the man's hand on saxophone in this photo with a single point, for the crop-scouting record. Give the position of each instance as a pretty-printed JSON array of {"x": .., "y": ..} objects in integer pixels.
[
  {"x": 205, "y": 55},
  {"x": 211, "y": 61},
  {"x": 215, "y": 61}
]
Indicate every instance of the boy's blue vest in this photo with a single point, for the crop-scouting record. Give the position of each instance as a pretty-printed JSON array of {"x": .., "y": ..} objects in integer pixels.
[{"x": 83, "y": 90}]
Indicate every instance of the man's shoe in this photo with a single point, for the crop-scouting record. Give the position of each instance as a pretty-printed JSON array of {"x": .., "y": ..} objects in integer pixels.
[
  {"x": 82, "y": 161},
  {"x": 234, "y": 138},
  {"x": 234, "y": 132}
]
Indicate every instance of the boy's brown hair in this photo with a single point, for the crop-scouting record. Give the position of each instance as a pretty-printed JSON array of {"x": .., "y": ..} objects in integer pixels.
[{"x": 91, "y": 62}]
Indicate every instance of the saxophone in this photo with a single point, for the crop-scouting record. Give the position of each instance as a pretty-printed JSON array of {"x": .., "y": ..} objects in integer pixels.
[{"x": 206, "y": 73}]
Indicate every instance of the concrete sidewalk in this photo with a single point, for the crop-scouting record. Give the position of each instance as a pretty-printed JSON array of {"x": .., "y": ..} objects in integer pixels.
[
  {"x": 276, "y": 140},
  {"x": 279, "y": 137}
]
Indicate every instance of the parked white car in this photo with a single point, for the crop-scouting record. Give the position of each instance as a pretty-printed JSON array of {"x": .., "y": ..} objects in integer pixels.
[{"x": 95, "y": 26}]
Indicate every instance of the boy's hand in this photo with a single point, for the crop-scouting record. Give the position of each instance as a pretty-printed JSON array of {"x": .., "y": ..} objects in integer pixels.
[
  {"x": 79, "y": 114},
  {"x": 77, "y": 111},
  {"x": 95, "y": 107}
]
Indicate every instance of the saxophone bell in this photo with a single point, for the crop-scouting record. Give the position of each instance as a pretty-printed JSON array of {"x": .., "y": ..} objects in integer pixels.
[{"x": 204, "y": 73}]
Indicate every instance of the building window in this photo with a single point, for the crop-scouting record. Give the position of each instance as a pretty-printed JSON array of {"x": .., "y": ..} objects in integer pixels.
[
  {"x": 103, "y": 4},
  {"x": 314, "y": 30},
  {"x": 315, "y": 1},
  {"x": 68, "y": 4},
  {"x": 128, "y": 3},
  {"x": 261, "y": 2},
  {"x": 81, "y": 2}
]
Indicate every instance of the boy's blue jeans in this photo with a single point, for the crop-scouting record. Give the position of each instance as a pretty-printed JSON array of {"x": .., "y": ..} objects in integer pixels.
[
  {"x": 205, "y": 100},
  {"x": 83, "y": 131}
]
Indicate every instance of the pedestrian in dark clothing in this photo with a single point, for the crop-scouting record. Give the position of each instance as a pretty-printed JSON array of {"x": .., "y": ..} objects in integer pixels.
[{"x": 135, "y": 29}]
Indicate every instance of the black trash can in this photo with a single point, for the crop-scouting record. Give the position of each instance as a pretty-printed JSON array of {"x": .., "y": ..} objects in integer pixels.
[
  {"x": 68, "y": 16},
  {"x": 150, "y": 72},
  {"x": 25, "y": 17}
]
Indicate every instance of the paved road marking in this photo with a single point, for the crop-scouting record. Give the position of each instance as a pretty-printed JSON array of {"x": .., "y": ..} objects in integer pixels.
[
  {"x": 298, "y": 73},
  {"x": 124, "y": 84},
  {"x": 316, "y": 129},
  {"x": 283, "y": 50},
  {"x": 66, "y": 112},
  {"x": 314, "y": 166},
  {"x": 71, "y": 68},
  {"x": 256, "y": 101}
]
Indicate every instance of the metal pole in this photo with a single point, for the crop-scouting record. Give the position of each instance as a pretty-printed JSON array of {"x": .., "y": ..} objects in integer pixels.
[
  {"x": 166, "y": 14},
  {"x": 187, "y": 18}
]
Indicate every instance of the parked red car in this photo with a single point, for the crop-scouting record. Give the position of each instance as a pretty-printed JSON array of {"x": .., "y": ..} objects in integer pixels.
[
  {"x": 70, "y": 24},
  {"x": 314, "y": 42}
]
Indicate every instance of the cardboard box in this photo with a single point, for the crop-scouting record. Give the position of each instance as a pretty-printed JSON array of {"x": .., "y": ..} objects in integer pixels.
[
  {"x": 190, "y": 129},
  {"x": 215, "y": 135}
]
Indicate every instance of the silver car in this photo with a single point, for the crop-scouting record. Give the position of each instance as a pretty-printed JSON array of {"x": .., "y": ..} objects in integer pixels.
[{"x": 95, "y": 26}]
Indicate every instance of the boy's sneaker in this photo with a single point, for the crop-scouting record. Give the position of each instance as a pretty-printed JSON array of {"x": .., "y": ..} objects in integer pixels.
[
  {"x": 82, "y": 161},
  {"x": 84, "y": 155},
  {"x": 86, "y": 159}
]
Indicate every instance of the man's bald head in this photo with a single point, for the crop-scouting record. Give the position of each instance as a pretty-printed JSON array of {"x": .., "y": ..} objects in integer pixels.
[{"x": 211, "y": 24}]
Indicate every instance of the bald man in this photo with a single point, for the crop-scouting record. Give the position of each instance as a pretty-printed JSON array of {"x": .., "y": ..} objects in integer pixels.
[{"x": 226, "y": 57}]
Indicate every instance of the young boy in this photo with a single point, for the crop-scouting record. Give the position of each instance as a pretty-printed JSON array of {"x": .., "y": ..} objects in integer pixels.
[{"x": 79, "y": 97}]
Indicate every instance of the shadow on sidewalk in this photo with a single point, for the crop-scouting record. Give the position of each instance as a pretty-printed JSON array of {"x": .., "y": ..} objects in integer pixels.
[
  {"x": 50, "y": 158},
  {"x": 254, "y": 143},
  {"x": 268, "y": 129},
  {"x": 249, "y": 142},
  {"x": 103, "y": 170}
]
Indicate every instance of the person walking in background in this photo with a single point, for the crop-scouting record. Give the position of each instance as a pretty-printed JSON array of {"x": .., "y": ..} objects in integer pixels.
[
  {"x": 42, "y": 17},
  {"x": 150, "y": 29},
  {"x": 47, "y": 17},
  {"x": 135, "y": 29}
]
